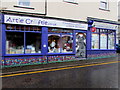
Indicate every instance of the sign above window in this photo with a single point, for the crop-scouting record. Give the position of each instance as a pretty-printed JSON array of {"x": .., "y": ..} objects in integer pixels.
[
  {"x": 24, "y": 20},
  {"x": 105, "y": 25}
]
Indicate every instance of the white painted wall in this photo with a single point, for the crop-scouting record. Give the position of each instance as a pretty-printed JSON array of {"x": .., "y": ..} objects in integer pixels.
[{"x": 61, "y": 9}]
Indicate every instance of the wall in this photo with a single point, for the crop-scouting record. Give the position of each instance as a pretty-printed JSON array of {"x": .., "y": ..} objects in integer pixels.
[
  {"x": 82, "y": 10},
  {"x": 61, "y": 9},
  {"x": 118, "y": 21},
  {"x": 38, "y": 6}
]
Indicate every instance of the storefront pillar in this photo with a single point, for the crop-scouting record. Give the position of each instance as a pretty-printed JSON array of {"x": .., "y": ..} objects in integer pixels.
[{"x": 44, "y": 40}]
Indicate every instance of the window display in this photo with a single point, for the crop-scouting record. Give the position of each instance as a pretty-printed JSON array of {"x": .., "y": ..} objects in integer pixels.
[
  {"x": 111, "y": 40},
  {"x": 103, "y": 41},
  {"x": 80, "y": 44},
  {"x": 106, "y": 39},
  {"x": 67, "y": 41},
  {"x": 33, "y": 43},
  {"x": 60, "y": 40},
  {"x": 95, "y": 41},
  {"x": 54, "y": 44},
  {"x": 14, "y": 43}
]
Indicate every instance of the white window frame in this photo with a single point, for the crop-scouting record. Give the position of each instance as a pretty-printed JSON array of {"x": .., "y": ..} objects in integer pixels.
[{"x": 106, "y": 4}]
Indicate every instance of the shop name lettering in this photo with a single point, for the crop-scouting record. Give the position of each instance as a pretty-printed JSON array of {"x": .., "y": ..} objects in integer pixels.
[{"x": 29, "y": 21}]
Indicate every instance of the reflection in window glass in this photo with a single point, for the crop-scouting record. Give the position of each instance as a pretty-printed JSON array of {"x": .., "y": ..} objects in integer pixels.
[
  {"x": 14, "y": 43},
  {"x": 103, "y": 41},
  {"x": 24, "y": 2},
  {"x": 54, "y": 43},
  {"x": 111, "y": 41},
  {"x": 95, "y": 41},
  {"x": 33, "y": 43},
  {"x": 67, "y": 41}
]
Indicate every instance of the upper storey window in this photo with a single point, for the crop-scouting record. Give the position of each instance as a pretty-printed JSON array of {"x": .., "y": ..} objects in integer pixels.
[
  {"x": 104, "y": 4},
  {"x": 24, "y": 2}
]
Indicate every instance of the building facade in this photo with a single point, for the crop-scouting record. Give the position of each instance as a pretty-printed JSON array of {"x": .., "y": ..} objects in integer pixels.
[
  {"x": 51, "y": 31},
  {"x": 118, "y": 35}
]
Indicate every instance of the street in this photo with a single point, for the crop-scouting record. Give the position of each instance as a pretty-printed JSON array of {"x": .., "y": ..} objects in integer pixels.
[{"x": 94, "y": 76}]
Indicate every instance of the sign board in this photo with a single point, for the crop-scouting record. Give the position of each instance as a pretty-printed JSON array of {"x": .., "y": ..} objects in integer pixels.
[
  {"x": 24, "y": 20},
  {"x": 105, "y": 25}
]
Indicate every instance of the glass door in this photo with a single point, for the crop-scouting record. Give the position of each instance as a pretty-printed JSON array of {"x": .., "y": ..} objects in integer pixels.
[{"x": 80, "y": 44}]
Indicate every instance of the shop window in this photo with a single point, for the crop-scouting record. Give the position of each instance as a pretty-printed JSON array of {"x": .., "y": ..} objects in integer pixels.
[
  {"x": 54, "y": 43},
  {"x": 95, "y": 41},
  {"x": 14, "y": 43},
  {"x": 80, "y": 44},
  {"x": 33, "y": 43},
  {"x": 103, "y": 41},
  {"x": 67, "y": 43},
  {"x": 60, "y": 41},
  {"x": 106, "y": 38},
  {"x": 111, "y": 40}
]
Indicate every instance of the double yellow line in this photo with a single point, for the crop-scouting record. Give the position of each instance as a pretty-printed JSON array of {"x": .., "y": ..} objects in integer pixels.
[{"x": 32, "y": 72}]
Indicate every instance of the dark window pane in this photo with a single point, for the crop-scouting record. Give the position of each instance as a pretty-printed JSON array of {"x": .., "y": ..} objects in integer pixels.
[
  {"x": 33, "y": 43},
  {"x": 14, "y": 43}
]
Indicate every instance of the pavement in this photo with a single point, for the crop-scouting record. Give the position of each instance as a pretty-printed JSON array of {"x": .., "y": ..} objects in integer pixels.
[{"x": 28, "y": 68}]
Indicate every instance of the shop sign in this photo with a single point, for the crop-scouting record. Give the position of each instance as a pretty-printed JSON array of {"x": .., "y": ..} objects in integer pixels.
[
  {"x": 93, "y": 29},
  {"x": 105, "y": 25},
  {"x": 24, "y": 20}
]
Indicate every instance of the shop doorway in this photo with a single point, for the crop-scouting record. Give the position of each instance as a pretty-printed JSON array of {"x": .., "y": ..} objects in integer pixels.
[{"x": 80, "y": 44}]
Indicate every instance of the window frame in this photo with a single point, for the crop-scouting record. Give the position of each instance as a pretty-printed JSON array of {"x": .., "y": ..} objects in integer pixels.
[
  {"x": 106, "y": 2},
  {"x": 14, "y": 30},
  {"x": 100, "y": 38},
  {"x": 61, "y": 37}
]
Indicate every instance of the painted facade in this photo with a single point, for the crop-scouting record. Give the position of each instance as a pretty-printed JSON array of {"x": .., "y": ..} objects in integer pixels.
[{"x": 50, "y": 36}]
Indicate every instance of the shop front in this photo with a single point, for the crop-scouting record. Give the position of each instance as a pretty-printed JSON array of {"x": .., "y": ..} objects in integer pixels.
[
  {"x": 103, "y": 38},
  {"x": 36, "y": 40}
]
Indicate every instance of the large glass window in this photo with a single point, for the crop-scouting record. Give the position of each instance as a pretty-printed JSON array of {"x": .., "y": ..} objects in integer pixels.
[
  {"x": 60, "y": 41},
  {"x": 103, "y": 41},
  {"x": 14, "y": 43},
  {"x": 106, "y": 38},
  {"x": 111, "y": 40},
  {"x": 95, "y": 41},
  {"x": 33, "y": 43},
  {"x": 67, "y": 42},
  {"x": 80, "y": 44},
  {"x": 29, "y": 36},
  {"x": 54, "y": 43}
]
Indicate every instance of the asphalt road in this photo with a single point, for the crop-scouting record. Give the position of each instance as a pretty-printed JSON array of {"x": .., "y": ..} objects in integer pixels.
[{"x": 96, "y": 76}]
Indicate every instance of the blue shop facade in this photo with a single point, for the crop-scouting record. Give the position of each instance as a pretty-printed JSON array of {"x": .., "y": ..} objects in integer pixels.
[{"x": 28, "y": 40}]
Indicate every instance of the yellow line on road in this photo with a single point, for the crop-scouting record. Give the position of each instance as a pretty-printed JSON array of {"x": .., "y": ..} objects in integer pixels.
[{"x": 9, "y": 75}]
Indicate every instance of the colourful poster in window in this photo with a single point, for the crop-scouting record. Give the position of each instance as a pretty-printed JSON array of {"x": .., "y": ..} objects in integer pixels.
[
  {"x": 95, "y": 41},
  {"x": 103, "y": 41},
  {"x": 111, "y": 41}
]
